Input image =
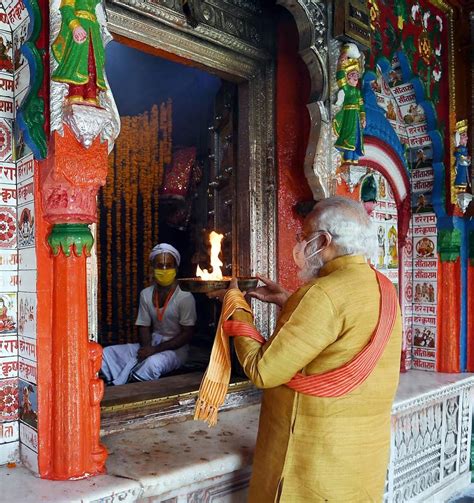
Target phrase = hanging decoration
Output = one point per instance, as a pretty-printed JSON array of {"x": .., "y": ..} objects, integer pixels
[{"x": 128, "y": 218}]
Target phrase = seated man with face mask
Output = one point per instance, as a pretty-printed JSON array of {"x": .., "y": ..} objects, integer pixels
[{"x": 166, "y": 319}]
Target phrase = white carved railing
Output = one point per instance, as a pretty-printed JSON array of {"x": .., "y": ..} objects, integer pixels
[{"x": 431, "y": 435}]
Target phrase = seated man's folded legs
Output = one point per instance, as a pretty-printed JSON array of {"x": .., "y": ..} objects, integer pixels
[
  {"x": 157, "y": 365},
  {"x": 118, "y": 361}
]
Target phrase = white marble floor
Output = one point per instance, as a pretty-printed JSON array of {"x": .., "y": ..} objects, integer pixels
[{"x": 148, "y": 463}]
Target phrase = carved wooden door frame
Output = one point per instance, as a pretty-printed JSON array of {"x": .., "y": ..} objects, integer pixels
[
  {"x": 231, "y": 38},
  {"x": 228, "y": 41}
]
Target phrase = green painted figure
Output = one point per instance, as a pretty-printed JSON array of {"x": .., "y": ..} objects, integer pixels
[
  {"x": 79, "y": 50},
  {"x": 349, "y": 122}
]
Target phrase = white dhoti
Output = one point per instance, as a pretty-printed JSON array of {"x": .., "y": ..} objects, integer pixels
[{"x": 120, "y": 361}]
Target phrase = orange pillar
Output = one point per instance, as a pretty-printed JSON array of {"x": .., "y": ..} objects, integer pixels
[
  {"x": 449, "y": 325},
  {"x": 449, "y": 301},
  {"x": 70, "y": 392},
  {"x": 73, "y": 443},
  {"x": 470, "y": 304}
]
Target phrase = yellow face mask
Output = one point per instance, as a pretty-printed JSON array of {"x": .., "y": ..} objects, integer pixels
[{"x": 164, "y": 277}]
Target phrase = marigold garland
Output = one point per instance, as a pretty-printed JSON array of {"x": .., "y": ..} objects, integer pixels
[{"x": 136, "y": 170}]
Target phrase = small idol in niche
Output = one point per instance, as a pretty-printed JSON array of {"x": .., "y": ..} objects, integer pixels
[
  {"x": 462, "y": 182},
  {"x": 349, "y": 122}
]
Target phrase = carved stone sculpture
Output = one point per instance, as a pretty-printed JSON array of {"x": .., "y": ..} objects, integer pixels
[{"x": 71, "y": 181}]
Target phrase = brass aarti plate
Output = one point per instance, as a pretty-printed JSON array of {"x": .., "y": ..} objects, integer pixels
[{"x": 198, "y": 285}]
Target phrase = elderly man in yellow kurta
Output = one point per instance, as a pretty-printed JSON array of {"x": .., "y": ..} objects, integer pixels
[{"x": 329, "y": 371}]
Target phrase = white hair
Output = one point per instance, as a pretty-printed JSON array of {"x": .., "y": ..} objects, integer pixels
[{"x": 349, "y": 225}]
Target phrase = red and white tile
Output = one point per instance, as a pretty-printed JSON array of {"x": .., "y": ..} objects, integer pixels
[
  {"x": 8, "y": 346},
  {"x": 27, "y": 314},
  {"x": 17, "y": 14},
  {"x": 29, "y": 436},
  {"x": 9, "y": 260},
  {"x": 27, "y": 258},
  {"x": 7, "y": 171},
  {"x": 8, "y": 226},
  {"x": 9, "y": 432},
  {"x": 8, "y": 281},
  {"x": 27, "y": 280},
  {"x": 9, "y": 406},
  {"x": 27, "y": 348},
  {"x": 25, "y": 168},
  {"x": 27, "y": 370},
  {"x": 26, "y": 191},
  {"x": 9, "y": 367},
  {"x": 26, "y": 217}
]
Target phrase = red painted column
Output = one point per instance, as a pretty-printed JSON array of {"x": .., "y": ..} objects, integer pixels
[
  {"x": 44, "y": 285},
  {"x": 292, "y": 130},
  {"x": 69, "y": 389},
  {"x": 449, "y": 302},
  {"x": 470, "y": 316},
  {"x": 72, "y": 442}
]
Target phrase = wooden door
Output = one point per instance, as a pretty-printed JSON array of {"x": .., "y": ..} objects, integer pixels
[{"x": 222, "y": 171}]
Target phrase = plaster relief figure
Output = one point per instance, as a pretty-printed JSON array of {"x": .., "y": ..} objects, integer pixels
[
  {"x": 349, "y": 122},
  {"x": 80, "y": 95},
  {"x": 462, "y": 182},
  {"x": 79, "y": 51}
]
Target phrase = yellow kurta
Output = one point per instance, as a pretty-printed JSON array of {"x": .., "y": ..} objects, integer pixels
[{"x": 313, "y": 449}]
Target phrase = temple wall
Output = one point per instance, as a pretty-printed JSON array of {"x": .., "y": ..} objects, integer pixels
[
  {"x": 292, "y": 129},
  {"x": 27, "y": 303},
  {"x": 407, "y": 97},
  {"x": 17, "y": 247},
  {"x": 407, "y": 85}
]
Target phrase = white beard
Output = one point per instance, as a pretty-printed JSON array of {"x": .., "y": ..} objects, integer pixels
[{"x": 311, "y": 269}]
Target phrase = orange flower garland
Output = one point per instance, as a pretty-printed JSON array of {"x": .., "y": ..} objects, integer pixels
[{"x": 136, "y": 170}]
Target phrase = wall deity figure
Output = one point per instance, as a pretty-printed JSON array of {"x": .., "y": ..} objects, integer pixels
[
  {"x": 349, "y": 122},
  {"x": 463, "y": 181},
  {"x": 79, "y": 51}
]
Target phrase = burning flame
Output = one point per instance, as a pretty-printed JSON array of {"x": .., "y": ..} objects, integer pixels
[{"x": 216, "y": 263}]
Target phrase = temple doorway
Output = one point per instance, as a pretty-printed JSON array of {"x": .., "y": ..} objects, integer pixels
[
  {"x": 173, "y": 179},
  {"x": 234, "y": 160}
]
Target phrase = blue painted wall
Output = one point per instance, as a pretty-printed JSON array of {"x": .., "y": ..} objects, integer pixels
[{"x": 140, "y": 80}]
